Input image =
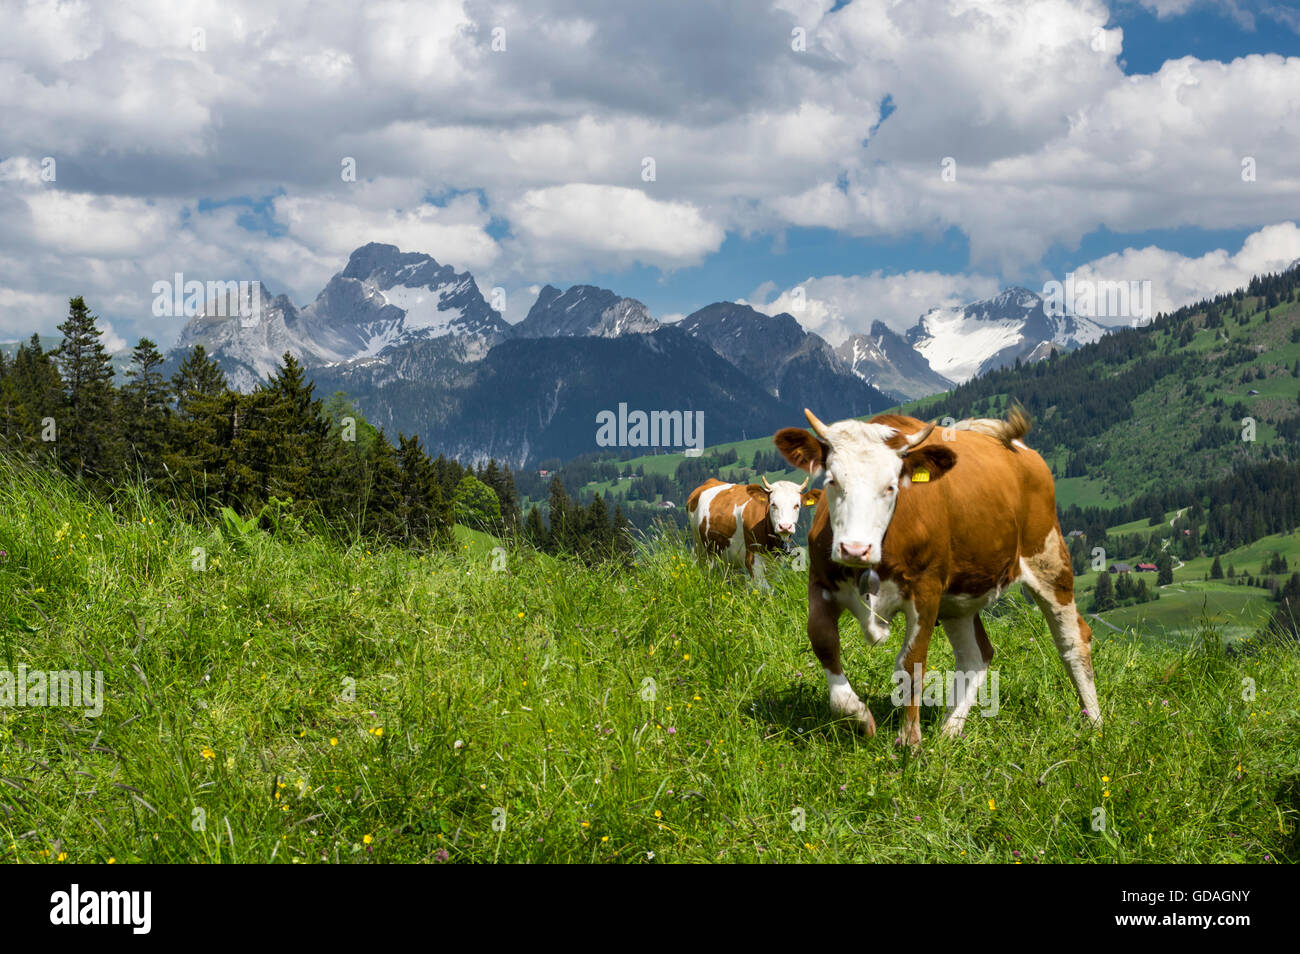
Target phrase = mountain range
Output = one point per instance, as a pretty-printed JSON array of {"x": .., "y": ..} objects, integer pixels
[{"x": 419, "y": 349}]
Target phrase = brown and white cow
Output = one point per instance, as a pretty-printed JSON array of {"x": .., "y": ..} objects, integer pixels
[
  {"x": 945, "y": 523},
  {"x": 740, "y": 522}
]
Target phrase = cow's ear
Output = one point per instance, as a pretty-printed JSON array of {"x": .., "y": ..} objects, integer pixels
[
  {"x": 813, "y": 498},
  {"x": 928, "y": 463},
  {"x": 801, "y": 449}
]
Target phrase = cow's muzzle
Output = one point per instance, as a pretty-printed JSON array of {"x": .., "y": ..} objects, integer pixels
[{"x": 852, "y": 553}]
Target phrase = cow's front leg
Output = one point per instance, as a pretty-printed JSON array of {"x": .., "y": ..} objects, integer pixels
[
  {"x": 754, "y": 562},
  {"x": 909, "y": 667},
  {"x": 824, "y": 634},
  {"x": 875, "y": 629}
]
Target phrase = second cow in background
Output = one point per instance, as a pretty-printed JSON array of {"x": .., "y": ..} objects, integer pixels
[{"x": 740, "y": 522}]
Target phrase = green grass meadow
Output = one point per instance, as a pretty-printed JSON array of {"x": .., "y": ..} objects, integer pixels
[{"x": 286, "y": 698}]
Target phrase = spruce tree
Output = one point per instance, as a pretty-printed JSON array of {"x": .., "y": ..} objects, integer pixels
[
  {"x": 31, "y": 401},
  {"x": 88, "y": 427},
  {"x": 425, "y": 518},
  {"x": 295, "y": 470},
  {"x": 379, "y": 505},
  {"x": 620, "y": 533},
  {"x": 1164, "y": 569},
  {"x": 534, "y": 530},
  {"x": 198, "y": 377},
  {"x": 599, "y": 538},
  {"x": 1103, "y": 595},
  {"x": 560, "y": 535},
  {"x": 146, "y": 411}
]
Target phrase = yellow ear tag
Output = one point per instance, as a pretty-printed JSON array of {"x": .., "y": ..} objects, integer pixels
[
  {"x": 920, "y": 476},
  {"x": 811, "y": 501}
]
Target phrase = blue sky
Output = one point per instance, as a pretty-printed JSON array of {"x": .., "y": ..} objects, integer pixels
[
  {"x": 799, "y": 149},
  {"x": 1207, "y": 31}
]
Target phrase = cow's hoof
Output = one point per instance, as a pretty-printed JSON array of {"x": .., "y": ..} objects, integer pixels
[
  {"x": 909, "y": 737},
  {"x": 862, "y": 722},
  {"x": 856, "y": 713},
  {"x": 875, "y": 639}
]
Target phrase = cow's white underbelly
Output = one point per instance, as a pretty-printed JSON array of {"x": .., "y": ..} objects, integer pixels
[
  {"x": 967, "y": 604},
  {"x": 886, "y": 601}
]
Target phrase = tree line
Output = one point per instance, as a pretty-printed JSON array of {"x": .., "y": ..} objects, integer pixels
[{"x": 191, "y": 438}]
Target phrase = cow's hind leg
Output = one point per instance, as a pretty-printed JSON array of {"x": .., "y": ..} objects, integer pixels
[
  {"x": 972, "y": 653},
  {"x": 824, "y": 634},
  {"x": 1050, "y": 580}
]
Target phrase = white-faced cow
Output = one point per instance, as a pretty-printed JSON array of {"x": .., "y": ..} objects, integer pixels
[
  {"x": 741, "y": 522},
  {"x": 943, "y": 523}
]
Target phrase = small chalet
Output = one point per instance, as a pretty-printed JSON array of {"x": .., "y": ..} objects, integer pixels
[
  {"x": 1119, "y": 568},
  {"x": 1146, "y": 568}
]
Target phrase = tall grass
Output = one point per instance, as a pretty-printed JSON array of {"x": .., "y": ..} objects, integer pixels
[{"x": 301, "y": 700}]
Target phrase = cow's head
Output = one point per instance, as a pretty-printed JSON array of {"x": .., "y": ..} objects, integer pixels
[
  {"x": 866, "y": 466},
  {"x": 784, "y": 498}
]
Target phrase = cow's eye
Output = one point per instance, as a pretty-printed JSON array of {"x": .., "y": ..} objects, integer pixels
[{"x": 830, "y": 478}]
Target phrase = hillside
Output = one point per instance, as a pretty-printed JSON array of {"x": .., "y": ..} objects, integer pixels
[
  {"x": 1160, "y": 406},
  {"x": 297, "y": 701}
]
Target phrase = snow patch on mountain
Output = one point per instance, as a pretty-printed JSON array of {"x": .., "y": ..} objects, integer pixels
[
  {"x": 383, "y": 300},
  {"x": 425, "y": 310},
  {"x": 956, "y": 345},
  {"x": 962, "y": 341}
]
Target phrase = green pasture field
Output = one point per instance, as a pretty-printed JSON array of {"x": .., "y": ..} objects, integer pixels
[{"x": 282, "y": 697}]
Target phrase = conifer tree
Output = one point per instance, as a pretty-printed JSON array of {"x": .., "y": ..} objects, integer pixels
[
  {"x": 620, "y": 533},
  {"x": 424, "y": 515},
  {"x": 1103, "y": 596},
  {"x": 380, "y": 499},
  {"x": 198, "y": 377},
  {"x": 295, "y": 415},
  {"x": 31, "y": 398},
  {"x": 599, "y": 540},
  {"x": 1164, "y": 569},
  {"x": 560, "y": 534},
  {"x": 88, "y": 431},
  {"x": 146, "y": 411},
  {"x": 534, "y": 530}
]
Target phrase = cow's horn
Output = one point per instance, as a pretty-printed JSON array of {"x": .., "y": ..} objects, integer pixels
[
  {"x": 766, "y": 485},
  {"x": 818, "y": 427},
  {"x": 804, "y": 485},
  {"x": 917, "y": 438}
]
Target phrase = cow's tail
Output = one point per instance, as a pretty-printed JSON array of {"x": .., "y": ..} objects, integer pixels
[{"x": 1014, "y": 428}]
